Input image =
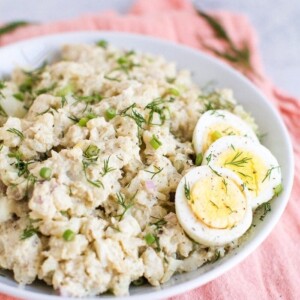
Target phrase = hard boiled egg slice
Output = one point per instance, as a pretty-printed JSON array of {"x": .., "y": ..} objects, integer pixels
[
  {"x": 212, "y": 206},
  {"x": 215, "y": 124},
  {"x": 252, "y": 162}
]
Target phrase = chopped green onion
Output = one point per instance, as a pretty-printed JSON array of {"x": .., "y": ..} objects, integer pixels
[
  {"x": 66, "y": 90},
  {"x": 216, "y": 135},
  {"x": 102, "y": 43},
  {"x": 46, "y": 173},
  {"x": 82, "y": 122},
  {"x": 173, "y": 92},
  {"x": 19, "y": 96},
  {"x": 149, "y": 238},
  {"x": 155, "y": 142},
  {"x": 199, "y": 159},
  {"x": 278, "y": 189},
  {"x": 91, "y": 151},
  {"x": 110, "y": 113},
  {"x": 91, "y": 115},
  {"x": 122, "y": 60},
  {"x": 69, "y": 235}
]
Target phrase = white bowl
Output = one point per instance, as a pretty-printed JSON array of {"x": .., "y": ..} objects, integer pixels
[{"x": 204, "y": 69}]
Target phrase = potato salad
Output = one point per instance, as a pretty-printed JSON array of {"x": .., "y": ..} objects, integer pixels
[{"x": 116, "y": 170}]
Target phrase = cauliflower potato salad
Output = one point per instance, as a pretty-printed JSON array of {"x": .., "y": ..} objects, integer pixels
[{"x": 117, "y": 170}]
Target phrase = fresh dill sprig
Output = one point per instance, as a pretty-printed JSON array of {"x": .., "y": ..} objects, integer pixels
[
  {"x": 208, "y": 158},
  {"x": 154, "y": 173},
  {"x": 159, "y": 223},
  {"x": 63, "y": 101},
  {"x": 91, "y": 155},
  {"x": 213, "y": 100},
  {"x": 125, "y": 63},
  {"x": 2, "y": 111},
  {"x": 266, "y": 209},
  {"x": 225, "y": 184},
  {"x": 269, "y": 172},
  {"x": 16, "y": 132},
  {"x": 112, "y": 78},
  {"x": 20, "y": 164},
  {"x": 244, "y": 175},
  {"x": 158, "y": 106},
  {"x": 125, "y": 204},
  {"x": 187, "y": 190},
  {"x": 215, "y": 172},
  {"x": 237, "y": 56},
  {"x": 106, "y": 168},
  {"x": 9, "y": 27},
  {"x": 132, "y": 113},
  {"x": 30, "y": 230},
  {"x": 47, "y": 89},
  {"x": 237, "y": 161},
  {"x": 2, "y": 86},
  {"x": 50, "y": 110},
  {"x": 94, "y": 98},
  {"x": 32, "y": 77}
]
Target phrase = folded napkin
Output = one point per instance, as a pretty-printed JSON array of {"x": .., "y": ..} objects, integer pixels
[{"x": 273, "y": 270}]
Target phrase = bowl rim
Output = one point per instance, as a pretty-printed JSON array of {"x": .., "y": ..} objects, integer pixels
[{"x": 260, "y": 236}]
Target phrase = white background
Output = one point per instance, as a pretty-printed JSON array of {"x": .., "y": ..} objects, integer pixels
[{"x": 276, "y": 21}]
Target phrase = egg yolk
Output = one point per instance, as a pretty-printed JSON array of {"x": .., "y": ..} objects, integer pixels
[
  {"x": 250, "y": 168},
  {"x": 218, "y": 202},
  {"x": 217, "y": 131}
]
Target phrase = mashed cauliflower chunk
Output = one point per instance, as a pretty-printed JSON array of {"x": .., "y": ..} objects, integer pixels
[{"x": 88, "y": 175}]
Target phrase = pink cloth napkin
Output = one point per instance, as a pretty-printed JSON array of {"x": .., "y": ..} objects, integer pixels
[{"x": 273, "y": 270}]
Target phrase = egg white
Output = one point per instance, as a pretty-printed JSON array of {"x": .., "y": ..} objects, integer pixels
[
  {"x": 196, "y": 229},
  {"x": 237, "y": 143},
  {"x": 213, "y": 118}
]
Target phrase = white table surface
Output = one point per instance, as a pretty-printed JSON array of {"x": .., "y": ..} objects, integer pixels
[{"x": 276, "y": 21}]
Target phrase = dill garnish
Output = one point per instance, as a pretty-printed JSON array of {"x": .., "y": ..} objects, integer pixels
[
  {"x": 154, "y": 173},
  {"x": 32, "y": 77},
  {"x": 208, "y": 158},
  {"x": 20, "y": 164},
  {"x": 132, "y": 113},
  {"x": 125, "y": 204},
  {"x": 214, "y": 100},
  {"x": 91, "y": 155},
  {"x": 214, "y": 171},
  {"x": 63, "y": 101},
  {"x": 94, "y": 98},
  {"x": 106, "y": 168},
  {"x": 9, "y": 27},
  {"x": 2, "y": 111},
  {"x": 269, "y": 172},
  {"x": 30, "y": 230},
  {"x": 102, "y": 43},
  {"x": 2, "y": 86},
  {"x": 16, "y": 132},
  {"x": 158, "y": 106},
  {"x": 225, "y": 184},
  {"x": 112, "y": 78},
  {"x": 47, "y": 89},
  {"x": 237, "y": 161},
  {"x": 187, "y": 190},
  {"x": 238, "y": 56},
  {"x": 125, "y": 63},
  {"x": 266, "y": 209},
  {"x": 159, "y": 223}
]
